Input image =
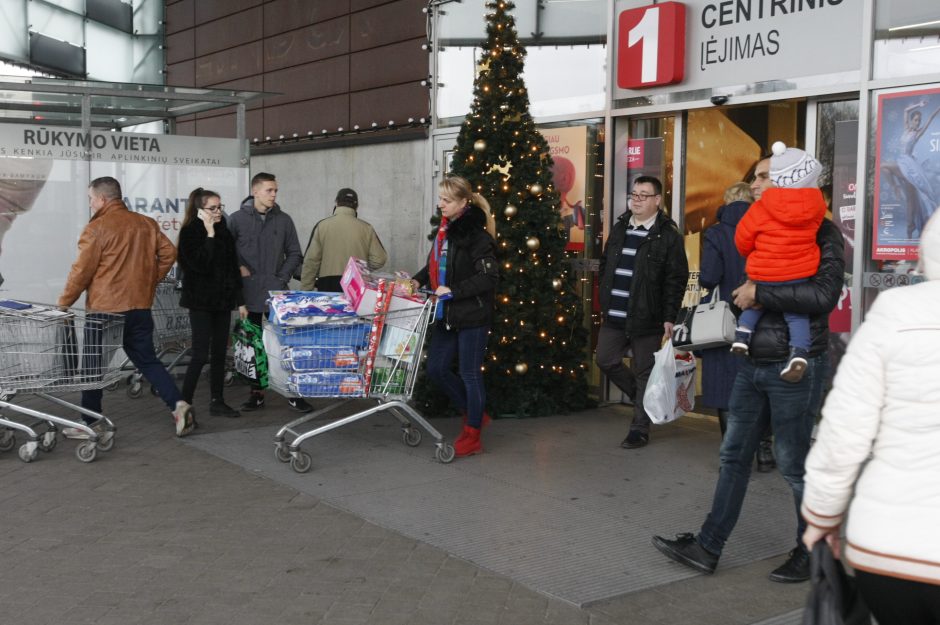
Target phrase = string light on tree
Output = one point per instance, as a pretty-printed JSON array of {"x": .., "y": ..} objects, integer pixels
[{"x": 504, "y": 156}]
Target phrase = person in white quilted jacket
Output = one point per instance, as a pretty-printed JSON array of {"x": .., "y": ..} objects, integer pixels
[{"x": 884, "y": 408}]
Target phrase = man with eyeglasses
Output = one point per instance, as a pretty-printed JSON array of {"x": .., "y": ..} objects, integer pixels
[{"x": 643, "y": 271}]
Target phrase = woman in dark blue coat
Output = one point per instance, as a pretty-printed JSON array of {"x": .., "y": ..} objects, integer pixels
[{"x": 723, "y": 267}]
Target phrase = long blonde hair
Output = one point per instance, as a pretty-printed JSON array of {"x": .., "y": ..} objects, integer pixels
[{"x": 459, "y": 188}]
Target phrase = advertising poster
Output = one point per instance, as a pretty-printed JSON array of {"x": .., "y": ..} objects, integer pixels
[
  {"x": 644, "y": 157},
  {"x": 44, "y": 176},
  {"x": 843, "y": 212},
  {"x": 568, "y": 147},
  {"x": 907, "y": 171}
]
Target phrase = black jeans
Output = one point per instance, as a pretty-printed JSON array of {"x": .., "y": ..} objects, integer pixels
[
  {"x": 210, "y": 339},
  {"x": 895, "y": 601}
]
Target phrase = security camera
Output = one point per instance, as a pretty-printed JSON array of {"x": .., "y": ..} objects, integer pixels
[{"x": 718, "y": 100}]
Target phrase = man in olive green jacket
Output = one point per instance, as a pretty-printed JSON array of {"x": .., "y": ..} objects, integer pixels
[{"x": 334, "y": 240}]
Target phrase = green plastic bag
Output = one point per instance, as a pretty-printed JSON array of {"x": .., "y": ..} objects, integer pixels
[{"x": 251, "y": 361}]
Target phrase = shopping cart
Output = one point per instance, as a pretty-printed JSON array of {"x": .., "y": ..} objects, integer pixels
[
  {"x": 45, "y": 350},
  {"x": 368, "y": 357}
]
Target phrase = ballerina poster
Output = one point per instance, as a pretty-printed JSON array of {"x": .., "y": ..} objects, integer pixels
[{"x": 907, "y": 173}]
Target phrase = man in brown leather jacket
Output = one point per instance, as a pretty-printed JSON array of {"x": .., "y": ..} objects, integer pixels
[{"x": 121, "y": 258}]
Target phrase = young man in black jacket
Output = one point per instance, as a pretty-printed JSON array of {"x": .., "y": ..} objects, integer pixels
[
  {"x": 793, "y": 406},
  {"x": 644, "y": 271}
]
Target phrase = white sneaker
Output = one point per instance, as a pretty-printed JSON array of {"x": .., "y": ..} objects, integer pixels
[{"x": 183, "y": 417}]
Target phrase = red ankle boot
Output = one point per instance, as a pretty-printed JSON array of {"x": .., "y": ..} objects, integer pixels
[
  {"x": 486, "y": 418},
  {"x": 468, "y": 443}
]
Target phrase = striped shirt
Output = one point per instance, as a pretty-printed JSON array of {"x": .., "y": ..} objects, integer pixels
[{"x": 623, "y": 274}]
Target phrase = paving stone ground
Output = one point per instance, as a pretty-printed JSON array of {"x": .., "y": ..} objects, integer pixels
[{"x": 159, "y": 532}]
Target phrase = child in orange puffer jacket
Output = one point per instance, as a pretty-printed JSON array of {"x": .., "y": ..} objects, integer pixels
[{"x": 777, "y": 235}]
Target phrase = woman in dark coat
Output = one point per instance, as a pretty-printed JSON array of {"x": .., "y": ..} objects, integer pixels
[
  {"x": 212, "y": 287},
  {"x": 462, "y": 271},
  {"x": 722, "y": 267}
]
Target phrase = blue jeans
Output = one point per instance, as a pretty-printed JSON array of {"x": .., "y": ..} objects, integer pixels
[
  {"x": 758, "y": 392},
  {"x": 138, "y": 345},
  {"x": 465, "y": 391},
  {"x": 797, "y": 323}
]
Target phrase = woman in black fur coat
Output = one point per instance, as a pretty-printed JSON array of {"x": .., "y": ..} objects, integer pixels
[
  {"x": 462, "y": 271},
  {"x": 212, "y": 287}
]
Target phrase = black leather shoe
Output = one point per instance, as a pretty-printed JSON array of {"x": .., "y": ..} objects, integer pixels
[
  {"x": 795, "y": 569},
  {"x": 635, "y": 440},
  {"x": 218, "y": 408},
  {"x": 686, "y": 550},
  {"x": 765, "y": 457}
]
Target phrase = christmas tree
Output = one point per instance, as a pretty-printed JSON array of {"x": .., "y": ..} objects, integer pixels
[{"x": 536, "y": 359}]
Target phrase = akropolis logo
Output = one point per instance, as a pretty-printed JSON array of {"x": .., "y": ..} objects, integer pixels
[{"x": 651, "y": 46}]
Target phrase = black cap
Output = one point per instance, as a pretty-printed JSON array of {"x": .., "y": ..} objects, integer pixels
[{"x": 347, "y": 197}]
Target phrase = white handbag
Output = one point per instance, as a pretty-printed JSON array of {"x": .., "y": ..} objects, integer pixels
[{"x": 707, "y": 325}]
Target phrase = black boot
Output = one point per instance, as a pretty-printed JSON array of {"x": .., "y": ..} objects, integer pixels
[
  {"x": 795, "y": 569},
  {"x": 765, "y": 456}
]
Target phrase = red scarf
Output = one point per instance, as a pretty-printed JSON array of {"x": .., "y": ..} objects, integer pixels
[{"x": 434, "y": 264}]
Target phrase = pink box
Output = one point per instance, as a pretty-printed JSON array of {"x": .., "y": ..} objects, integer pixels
[{"x": 361, "y": 289}]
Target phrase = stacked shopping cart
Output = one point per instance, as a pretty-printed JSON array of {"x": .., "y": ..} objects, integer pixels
[{"x": 44, "y": 352}]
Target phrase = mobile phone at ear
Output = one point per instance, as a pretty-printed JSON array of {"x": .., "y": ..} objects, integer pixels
[{"x": 201, "y": 214}]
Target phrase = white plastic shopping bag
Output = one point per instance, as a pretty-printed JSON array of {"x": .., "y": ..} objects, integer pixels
[{"x": 670, "y": 392}]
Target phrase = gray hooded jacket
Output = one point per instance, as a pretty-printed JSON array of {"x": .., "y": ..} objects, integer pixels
[{"x": 268, "y": 246}]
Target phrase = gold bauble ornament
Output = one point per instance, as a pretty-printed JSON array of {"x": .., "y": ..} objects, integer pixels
[
  {"x": 533, "y": 243},
  {"x": 535, "y": 189},
  {"x": 479, "y": 145},
  {"x": 521, "y": 368},
  {"x": 556, "y": 284},
  {"x": 510, "y": 210}
]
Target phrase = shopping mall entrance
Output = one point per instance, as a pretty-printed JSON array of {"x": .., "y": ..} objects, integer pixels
[{"x": 699, "y": 153}]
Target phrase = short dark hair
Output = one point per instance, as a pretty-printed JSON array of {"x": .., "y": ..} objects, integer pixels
[
  {"x": 750, "y": 174},
  {"x": 260, "y": 177},
  {"x": 653, "y": 180},
  {"x": 106, "y": 187}
]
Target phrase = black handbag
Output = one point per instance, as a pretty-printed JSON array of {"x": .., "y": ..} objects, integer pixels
[{"x": 833, "y": 595}]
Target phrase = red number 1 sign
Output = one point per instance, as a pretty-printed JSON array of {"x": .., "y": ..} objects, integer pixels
[{"x": 651, "y": 46}]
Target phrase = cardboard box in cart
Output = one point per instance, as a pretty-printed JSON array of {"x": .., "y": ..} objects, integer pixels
[{"x": 361, "y": 289}]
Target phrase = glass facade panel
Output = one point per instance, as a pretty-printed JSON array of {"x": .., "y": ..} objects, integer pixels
[
  {"x": 111, "y": 58},
  {"x": 561, "y": 80},
  {"x": 147, "y": 17},
  {"x": 111, "y": 54},
  {"x": 907, "y": 38},
  {"x": 55, "y": 23},
  {"x": 148, "y": 60},
  {"x": 13, "y": 41}
]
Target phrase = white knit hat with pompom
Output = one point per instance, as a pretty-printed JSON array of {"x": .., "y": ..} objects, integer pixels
[{"x": 793, "y": 168}]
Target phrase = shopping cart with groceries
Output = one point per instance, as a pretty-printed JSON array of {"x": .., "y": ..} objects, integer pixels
[
  {"x": 46, "y": 351},
  {"x": 347, "y": 356}
]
